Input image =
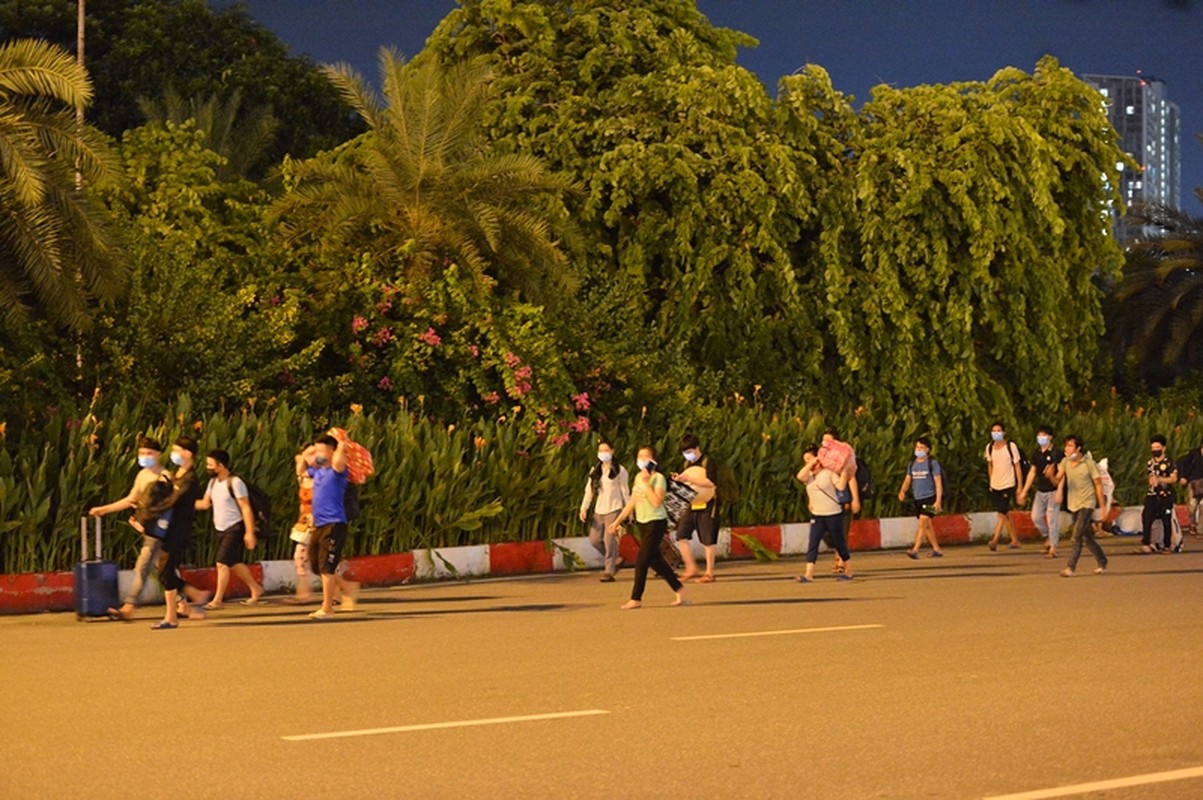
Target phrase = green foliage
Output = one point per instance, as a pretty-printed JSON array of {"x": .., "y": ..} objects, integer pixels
[
  {"x": 56, "y": 249},
  {"x": 209, "y": 306},
  {"x": 140, "y": 49}
]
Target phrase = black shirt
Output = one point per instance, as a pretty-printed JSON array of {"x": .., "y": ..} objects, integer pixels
[
  {"x": 1162, "y": 469},
  {"x": 1046, "y": 458}
]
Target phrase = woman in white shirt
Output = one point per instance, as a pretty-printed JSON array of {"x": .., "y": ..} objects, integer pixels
[
  {"x": 826, "y": 512},
  {"x": 606, "y": 490}
]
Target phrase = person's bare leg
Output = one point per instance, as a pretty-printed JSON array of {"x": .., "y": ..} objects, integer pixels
[
  {"x": 691, "y": 566},
  {"x": 223, "y": 583},
  {"x": 243, "y": 573},
  {"x": 710, "y": 559}
]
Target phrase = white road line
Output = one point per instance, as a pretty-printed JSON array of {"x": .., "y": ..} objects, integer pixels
[
  {"x": 1102, "y": 786},
  {"x": 773, "y": 633},
  {"x": 434, "y": 726}
]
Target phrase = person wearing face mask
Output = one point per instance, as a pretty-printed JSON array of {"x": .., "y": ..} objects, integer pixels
[
  {"x": 149, "y": 454},
  {"x": 925, "y": 479},
  {"x": 1079, "y": 481},
  {"x": 1006, "y": 476},
  {"x": 1159, "y": 499},
  {"x": 646, "y": 502},
  {"x": 177, "y": 536},
  {"x": 606, "y": 490},
  {"x": 329, "y": 473},
  {"x": 700, "y": 474},
  {"x": 826, "y": 512},
  {"x": 1046, "y": 511}
]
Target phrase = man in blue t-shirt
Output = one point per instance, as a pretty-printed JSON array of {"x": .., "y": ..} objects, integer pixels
[
  {"x": 925, "y": 479},
  {"x": 329, "y": 475}
]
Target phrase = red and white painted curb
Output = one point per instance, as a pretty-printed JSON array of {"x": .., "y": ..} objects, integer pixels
[{"x": 22, "y": 594}]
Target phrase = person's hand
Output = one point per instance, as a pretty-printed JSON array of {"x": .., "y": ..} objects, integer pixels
[
  {"x": 1021, "y": 498},
  {"x": 939, "y": 506},
  {"x": 901, "y": 496},
  {"x": 855, "y": 506},
  {"x": 95, "y": 511},
  {"x": 676, "y": 476},
  {"x": 136, "y": 525},
  {"x": 249, "y": 540},
  {"x": 612, "y": 527},
  {"x": 582, "y": 515}
]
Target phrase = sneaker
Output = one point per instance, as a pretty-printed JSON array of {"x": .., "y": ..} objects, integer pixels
[
  {"x": 606, "y": 578},
  {"x": 1099, "y": 570},
  {"x": 936, "y": 554},
  {"x": 321, "y": 615},
  {"x": 1067, "y": 573},
  {"x": 911, "y": 554}
]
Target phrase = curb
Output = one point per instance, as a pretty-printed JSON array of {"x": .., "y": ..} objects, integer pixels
[{"x": 55, "y": 591}]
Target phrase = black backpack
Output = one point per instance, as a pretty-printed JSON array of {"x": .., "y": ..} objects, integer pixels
[
  {"x": 1024, "y": 464},
  {"x": 864, "y": 479},
  {"x": 261, "y": 506}
]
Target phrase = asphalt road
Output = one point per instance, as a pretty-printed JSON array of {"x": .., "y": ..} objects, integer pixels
[{"x": 977, "y": 675}]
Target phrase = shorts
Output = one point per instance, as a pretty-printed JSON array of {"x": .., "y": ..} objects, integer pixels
[
  {"x": 230, "y": 546},
  {"x": 703, "y": 522},
  {"x": 923, "y": 507},
  {"x": 327, "y": 548},
  {"x": 1001, "y": 499}
]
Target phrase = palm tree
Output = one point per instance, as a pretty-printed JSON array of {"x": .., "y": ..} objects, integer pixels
[
  {"x": 55, "y": 247},
  {"x": 1160, "y": 323},
  {"x": 421, "y": 186},
  {"x": 241, "y": 136}
]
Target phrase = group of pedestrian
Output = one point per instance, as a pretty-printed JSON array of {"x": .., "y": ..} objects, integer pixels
[{"x": 164, "y": 503}]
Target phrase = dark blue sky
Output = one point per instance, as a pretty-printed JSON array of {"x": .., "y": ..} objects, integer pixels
[{"x": 861, "y": 43}]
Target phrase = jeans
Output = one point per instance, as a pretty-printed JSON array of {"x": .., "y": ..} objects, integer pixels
[
  {"x": 1084, "y": 534},
  {"x": 832, "y": 526},
  {"x": 1046, "y": 513},
  {"x": 605, "y": 542},
  {"x": 147, "y": 557}
]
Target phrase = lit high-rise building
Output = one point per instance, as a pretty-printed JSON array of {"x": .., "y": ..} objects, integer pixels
[{"x": 1147, "y": 123}]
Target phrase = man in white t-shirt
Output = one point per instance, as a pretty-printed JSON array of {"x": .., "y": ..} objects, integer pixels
[
  {"x": 234, "y": 521},
  {"x": 1006, "y": 479}
]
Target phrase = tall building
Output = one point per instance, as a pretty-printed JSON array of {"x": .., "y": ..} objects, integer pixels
[{"x": 1147, "y": 123}]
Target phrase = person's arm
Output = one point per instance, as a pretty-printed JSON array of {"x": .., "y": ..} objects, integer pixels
[
  {"x": 655, "y": 494},
  {"x": 841, "y": 480},
  {"x": 129, "y": 501},
  {"x": 1059, "y": 496},
  {"x": 939, "y": 479},
  {"x": 1015, "y": 464},
  {"x": 250, "y": 535},
  {"x": 624, "y": 485},
  {"x": 807, "y": 473},
  {"x": 906, "y": 484},
  {"x": 853, "y": 484},
  {"x": 206, "y": 502},
  {"x": 1098, "y": 491},
  {"x": 178, "y": 489},
  {"x": 338, "y": 461},
  {"x": 587, "y": 498},
  {"x": 1027, "y": 484}
]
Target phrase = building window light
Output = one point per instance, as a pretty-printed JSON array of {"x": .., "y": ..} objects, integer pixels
[{"x": 1131, "y": 109}]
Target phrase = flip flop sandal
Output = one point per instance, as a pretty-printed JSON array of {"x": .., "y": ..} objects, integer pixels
[
  {"x": 704, "y": 579},
  {"x": 164, "y": 625},
  {"x": 211, "y": 606}
]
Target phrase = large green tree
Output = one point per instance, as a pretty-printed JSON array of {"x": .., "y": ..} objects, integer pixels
[
  {"x": 139, "y": 50},
  {"x": 693, "y": 199},
  {"x": 56, "y": 249}
]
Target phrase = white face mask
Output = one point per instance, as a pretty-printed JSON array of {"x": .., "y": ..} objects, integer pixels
[
  {"x": 605, "y": 457},
  {"x": 690, "y": 455},
  {"x": 643, "y": 463}
]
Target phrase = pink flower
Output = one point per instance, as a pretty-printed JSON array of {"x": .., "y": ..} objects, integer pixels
[
  {"x": 581, "y": 425},
  {"x": 541, "y": 427},
  {"x": 384, "y": 306},
  {"x": 561, "y": 440},
  {"x": 581, "y": 401},
  {"x": 523, "y": 372},
  {"x": 511, "y": 360},
  {"x": 382, "y": 337},
  {"x": 431, "y": 337},
  {"x": 384, "y": 384},
  {"x": 358, "y": 325},
  {"x": 474, "y": 350},
  {"x": 492, "y": 398}
]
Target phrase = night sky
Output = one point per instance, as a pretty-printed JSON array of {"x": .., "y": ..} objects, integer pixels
[{"x": 861, "y": 43}]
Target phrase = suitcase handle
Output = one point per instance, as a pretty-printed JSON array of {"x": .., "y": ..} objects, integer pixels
[{"x": 83, "y": 537}]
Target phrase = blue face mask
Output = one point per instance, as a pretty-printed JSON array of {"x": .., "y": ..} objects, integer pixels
[
  {"x": 997, "y": 435},
  {"x": 321, "y": 461},
  {"x": 1042, "y": 441},
  {"x": 146, "y": 462},
  {"x": 920, "y": 454},
  {"x": 177, "y": 459}
]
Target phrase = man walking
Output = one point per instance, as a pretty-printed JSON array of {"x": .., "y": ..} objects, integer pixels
[
  {"x": 1006, "y": 476},
  {"x": 329, "y": 474},
  {"x": 177, "y": 534},
  {"x": 1046, "y": 511},
  {"x": 149, "y": 454},
  {"x": 234, "y": 521},
  {"x": 925, "y": 479},
  {"x": 1079, "y": 478},
  {"x": 1159, "y": 499},
  {"x": 701, "y": 474}
]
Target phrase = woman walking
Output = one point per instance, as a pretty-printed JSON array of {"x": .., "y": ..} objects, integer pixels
[
  {"x": 1079, "y": 481},
  {"x": 651, "y": 518},
  {"x": 606, "y": 491},
  {"x": 826, "y": 512}
]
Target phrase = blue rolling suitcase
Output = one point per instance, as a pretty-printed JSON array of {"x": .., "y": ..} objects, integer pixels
[{"x": 95, "y": 579}]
